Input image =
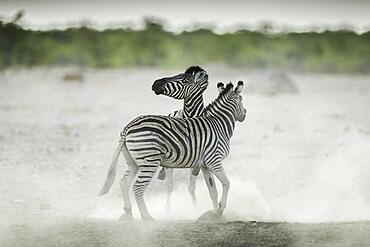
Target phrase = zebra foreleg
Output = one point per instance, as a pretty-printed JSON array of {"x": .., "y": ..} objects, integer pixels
[
  {"x": 169, "y": 185},
  {"x": 213, "y": 215},
  {"x": 192, "y": 185},
  {"x": 211, "y": 185},
  {"x": 221, "y": 175},
  {"x": 145, "y": 175}
]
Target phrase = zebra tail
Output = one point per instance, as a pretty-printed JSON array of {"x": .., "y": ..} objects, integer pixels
[{"x": 111, "y": 174}]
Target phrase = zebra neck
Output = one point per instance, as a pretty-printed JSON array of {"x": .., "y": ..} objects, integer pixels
[
  {"x": 226, "y": 124},
  {"x": 194, "y": 106},
  {"x": 224, "y": 119}
]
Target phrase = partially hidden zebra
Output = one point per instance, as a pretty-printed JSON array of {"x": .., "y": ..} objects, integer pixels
[
  {"x": 188, "y": 86},
  {"x": 151, "y": 141}
]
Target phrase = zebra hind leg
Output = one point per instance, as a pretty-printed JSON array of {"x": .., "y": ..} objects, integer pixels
[
  {"x": 145, "y": 175},
  {"x": 125, "y": 184}
]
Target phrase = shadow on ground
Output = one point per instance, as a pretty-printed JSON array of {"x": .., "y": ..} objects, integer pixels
[{"x": 94, "y": 232}]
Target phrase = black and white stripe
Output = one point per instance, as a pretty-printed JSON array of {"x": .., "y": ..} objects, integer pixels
[
  {"x": 152, "y": 141},
  {"x": 188, "y": 86}
]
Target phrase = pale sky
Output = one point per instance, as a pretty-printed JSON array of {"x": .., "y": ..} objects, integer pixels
[{"x": 179, "y": 15}]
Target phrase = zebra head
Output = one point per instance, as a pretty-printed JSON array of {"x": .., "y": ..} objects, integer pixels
[
  {"x": 236, "y": 99},
  {"x": 184, "y": 85}
]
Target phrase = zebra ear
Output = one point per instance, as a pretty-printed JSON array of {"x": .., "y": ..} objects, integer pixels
[
  {"x": 199, "y": 75},
  {"x": 239, "y": 87},
  {"x": 220, "y": 87}
]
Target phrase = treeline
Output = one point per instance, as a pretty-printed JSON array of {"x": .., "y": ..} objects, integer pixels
[{"x": 330, "y": 51}]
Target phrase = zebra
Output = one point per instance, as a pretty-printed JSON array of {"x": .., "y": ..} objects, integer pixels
[
  {"x": 188, "y": 86},
  {"x": 150, "y": 141}
]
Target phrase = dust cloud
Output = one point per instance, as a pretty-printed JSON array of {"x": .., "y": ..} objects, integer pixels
[{"x": 299, "y": 157}]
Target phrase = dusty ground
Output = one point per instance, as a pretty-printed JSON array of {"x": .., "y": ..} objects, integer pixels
[
  {"x": 301, "y": 157},
  {"x": 182, "y": 233}
]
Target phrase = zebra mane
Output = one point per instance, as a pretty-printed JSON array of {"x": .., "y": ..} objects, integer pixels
[
  {"x": 226, "y": 92},
  {"x": 193, "y": 69}
]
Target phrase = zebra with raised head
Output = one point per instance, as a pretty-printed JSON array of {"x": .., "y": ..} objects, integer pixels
[
  {"x": 151, "y": 141},
  {"x": 190, "y": 87}
]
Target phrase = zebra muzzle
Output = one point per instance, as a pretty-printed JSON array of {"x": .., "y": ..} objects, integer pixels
[{"x": 158, "y": 86}]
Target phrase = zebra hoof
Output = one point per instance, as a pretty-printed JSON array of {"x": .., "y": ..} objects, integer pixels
[
  {"x": 126, "y": 217},
  {"x": 211, "y": 215}
]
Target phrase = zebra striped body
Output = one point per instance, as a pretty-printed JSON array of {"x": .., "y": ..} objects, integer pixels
[
  {"x": 178, "y": 143},
  {"x": 152, "y": 141}
]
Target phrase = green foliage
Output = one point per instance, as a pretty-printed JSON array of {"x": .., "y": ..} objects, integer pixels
[{"x": 339, "y": 51}]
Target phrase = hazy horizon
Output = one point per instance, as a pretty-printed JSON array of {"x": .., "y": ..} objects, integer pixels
[{"x": 221, "y": 15}]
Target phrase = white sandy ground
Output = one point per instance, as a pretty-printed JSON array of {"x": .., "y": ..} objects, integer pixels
[{"x": 301, "y": 157}]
